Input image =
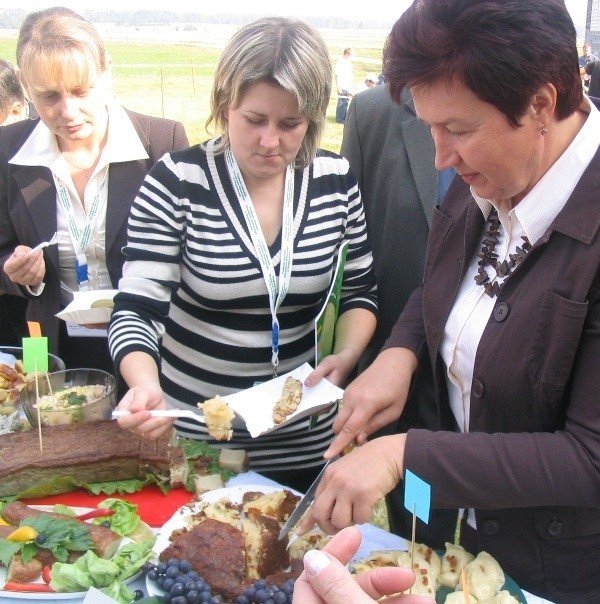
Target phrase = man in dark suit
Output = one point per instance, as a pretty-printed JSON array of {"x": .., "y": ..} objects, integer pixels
[{"x": 392, "y": 155}]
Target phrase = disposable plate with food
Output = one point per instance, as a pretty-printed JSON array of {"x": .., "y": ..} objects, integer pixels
[
  {"x": 254, "y": 406},
  {"x": 180, "y": 518},
  {"x": 46, "y": 596}
]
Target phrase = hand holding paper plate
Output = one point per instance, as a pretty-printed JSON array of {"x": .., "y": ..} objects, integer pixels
[
  {"x": 89, "y": 307},
  {"x": 255, "y": 405}
]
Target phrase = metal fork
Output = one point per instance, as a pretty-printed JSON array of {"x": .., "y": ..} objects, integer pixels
[
  {"x": 41, "y": 246},
  {"x": 165, "y": 413}
]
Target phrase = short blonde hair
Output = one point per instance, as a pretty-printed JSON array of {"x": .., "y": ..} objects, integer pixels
[
  {"x": 59, "y": 45},
  {"x": 285, "y": 52}
]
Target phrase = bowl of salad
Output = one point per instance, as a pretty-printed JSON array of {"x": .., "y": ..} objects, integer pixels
[{"x": 70, "y": 396}]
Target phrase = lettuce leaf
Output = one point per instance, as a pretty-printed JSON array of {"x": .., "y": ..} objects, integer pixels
[
  {"x": 125, "y": 519},
  {"x": 91, "y": 571}
]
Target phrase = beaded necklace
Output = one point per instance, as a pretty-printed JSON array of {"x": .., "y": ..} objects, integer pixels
[{"x": 488, "y": 257}]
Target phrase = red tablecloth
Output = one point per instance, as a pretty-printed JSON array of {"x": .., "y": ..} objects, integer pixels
[{"x": 154, "y": 507}]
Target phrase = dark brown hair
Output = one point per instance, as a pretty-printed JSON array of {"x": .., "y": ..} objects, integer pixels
[
  {"x": 501, "y": 50},
  {"x": 10, "y": 88}
]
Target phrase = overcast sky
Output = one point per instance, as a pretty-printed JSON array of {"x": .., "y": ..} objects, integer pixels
[{"x": 345, "y": 8}]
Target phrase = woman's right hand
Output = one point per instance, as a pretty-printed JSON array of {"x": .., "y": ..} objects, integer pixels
[
  {"x": 374, "y": 399},
  {"x": 24, "y": 268},
  {"x": 140, "y": 372},
  {"x": 138, "y": 401},
  {"x": 326, "y": 579}
]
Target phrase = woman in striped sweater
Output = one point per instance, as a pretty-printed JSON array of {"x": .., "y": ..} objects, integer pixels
[{"x": 236, "y": 240}]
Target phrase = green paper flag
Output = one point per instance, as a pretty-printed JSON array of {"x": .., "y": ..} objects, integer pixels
[{"x": 35, "y": 355}]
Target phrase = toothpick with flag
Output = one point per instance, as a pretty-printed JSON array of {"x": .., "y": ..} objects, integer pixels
[
  {"x": 35, "y": 359},
  {"x": 417, "y": 500}
]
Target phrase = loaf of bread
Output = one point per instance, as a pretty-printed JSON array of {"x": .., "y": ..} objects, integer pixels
[{"x": 88, "y": 452}]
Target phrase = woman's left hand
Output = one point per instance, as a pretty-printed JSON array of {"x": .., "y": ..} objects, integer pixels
[
  {"x": 326, "y": 580},
  {"x": 355, "y": 483},
  {"x": 336, "y": 368}
]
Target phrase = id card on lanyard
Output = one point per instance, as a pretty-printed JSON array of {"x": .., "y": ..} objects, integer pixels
[
  {"x": 79, "y": 239},
  {"x": 277, "y": 290}
]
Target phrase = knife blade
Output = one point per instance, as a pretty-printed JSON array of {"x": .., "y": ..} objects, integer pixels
[{"x": 304, "y": 503}]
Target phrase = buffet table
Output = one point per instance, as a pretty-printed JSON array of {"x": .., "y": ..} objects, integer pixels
[{"x": 155, "y": 509}]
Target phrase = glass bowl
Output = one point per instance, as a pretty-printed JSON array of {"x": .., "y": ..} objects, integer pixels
[
  {"x": 12, "y": 378},
  {"x": 71, "y": 396}
]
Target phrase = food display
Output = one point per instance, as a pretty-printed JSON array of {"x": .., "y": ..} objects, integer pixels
[
  {"x": 67, "y": 403},
  {"x": 289, "y": 400},
  {"x": 61, "y": 551},
  {"x": 230, "y": 539},
  {"x": 86, "y": 452},
  {"x": 12, "y": 380},
  {"x": 65, "y": 397},
  {"x": 440, "y": 575}
]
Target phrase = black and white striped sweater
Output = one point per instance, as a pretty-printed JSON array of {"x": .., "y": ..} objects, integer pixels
[{"x": 193, "y": 294}]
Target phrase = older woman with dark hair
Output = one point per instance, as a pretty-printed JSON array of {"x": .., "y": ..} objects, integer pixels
[{"x": 509, "y": 310}]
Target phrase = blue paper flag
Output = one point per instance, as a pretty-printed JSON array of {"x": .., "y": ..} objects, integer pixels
[{"x": 417, "y": 496}]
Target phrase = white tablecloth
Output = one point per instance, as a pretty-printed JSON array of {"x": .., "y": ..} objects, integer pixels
[{"x": 374, "y": 538}]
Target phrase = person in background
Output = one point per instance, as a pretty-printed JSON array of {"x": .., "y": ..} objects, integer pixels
[
  {"x": 392, "y": 155},
  {"x": 74, "y": 171},
  {"x": 198, "y": 313},
  {"x": 344, "y": 81},
  {"x": 327, "y": 580},
  {"x": 584, "y": 60},
  {"x": 592, "y": 70},
  {"x": 14, "y": 107},
  {"x": 509, "y": 309},
  {"x": 371, "y": 80}
]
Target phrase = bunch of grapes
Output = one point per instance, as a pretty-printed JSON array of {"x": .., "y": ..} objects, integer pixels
[
  {"x": 262, "y": 593},
  {"x": 182, "y": 585}
]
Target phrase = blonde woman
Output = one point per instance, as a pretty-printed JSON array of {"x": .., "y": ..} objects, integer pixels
[
  {"x": 246, "y": 230},
  {"x": 75, "y": 170}
]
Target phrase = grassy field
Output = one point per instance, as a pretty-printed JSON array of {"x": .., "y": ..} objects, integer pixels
[{"x": 174, "y": 79}]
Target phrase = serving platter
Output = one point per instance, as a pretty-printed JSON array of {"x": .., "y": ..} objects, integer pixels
[
  {"x": 180, "y": 518},
  {"x": 47, "y": 596}
]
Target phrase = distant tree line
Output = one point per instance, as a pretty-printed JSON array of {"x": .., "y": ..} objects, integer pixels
[{"x": 12, "y": 19}]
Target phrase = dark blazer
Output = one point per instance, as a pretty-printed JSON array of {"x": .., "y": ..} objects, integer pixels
[
  {"x": 28, "y": 208},
  {"x": 530, "y": 465},
  {"x": 392, "y": 155}
]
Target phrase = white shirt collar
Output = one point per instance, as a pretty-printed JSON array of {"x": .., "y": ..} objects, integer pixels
[
  {"x": 122, "y": 143},
  {"x": 536, "y": 211}
]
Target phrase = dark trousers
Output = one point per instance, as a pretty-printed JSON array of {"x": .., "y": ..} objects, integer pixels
[
  {"x": 342, "y": 107},
  {"x": 13, "y": 327}
]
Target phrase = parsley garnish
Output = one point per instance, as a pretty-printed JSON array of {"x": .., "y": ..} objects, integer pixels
[
  {"x": 61, "y": 537},
  {"x": 76, "y": 399}
]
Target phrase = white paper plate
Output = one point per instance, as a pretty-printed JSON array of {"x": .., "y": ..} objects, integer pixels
[
  {"x": 80, "y": 311},
  {"x": 75, "y": 595},
  {"x": 255, "y": 405}
]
